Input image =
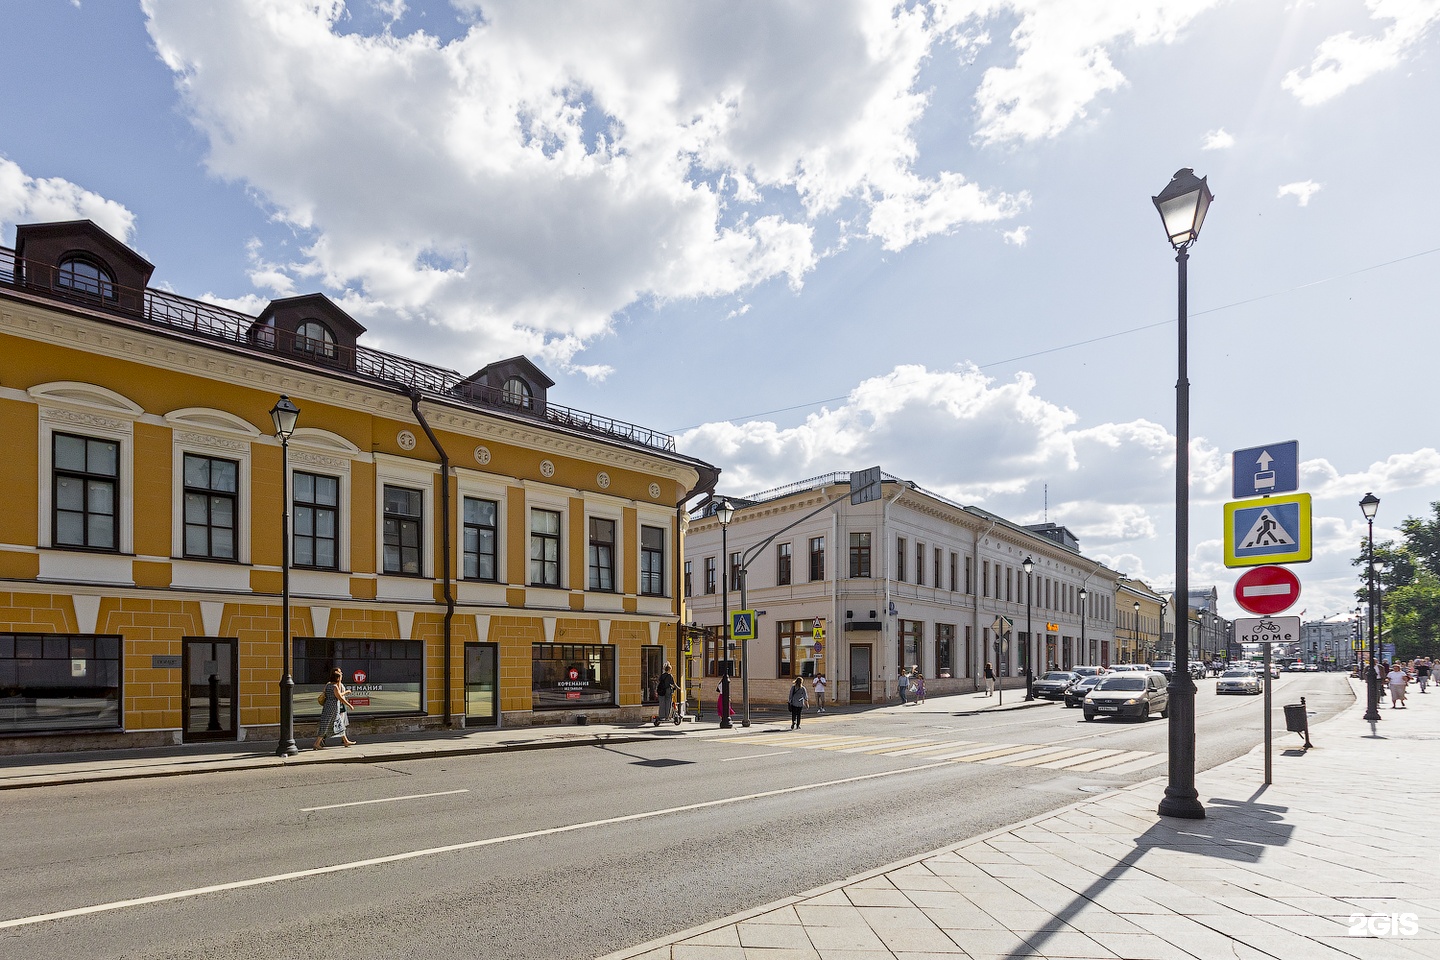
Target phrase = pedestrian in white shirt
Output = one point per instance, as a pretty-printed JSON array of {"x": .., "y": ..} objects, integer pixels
[
  {"x": 819, "y": 693},
  {"x": 1397, "y": 678}
]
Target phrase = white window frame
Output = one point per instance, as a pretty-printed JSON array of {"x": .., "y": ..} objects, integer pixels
[
  {"x": 418, "y": 475},
  {"x": 317, "y": 451},
  {"x": 86, "y": 410},
  {"x": 538, "y": 498},
  {"x": 205, "y": 432},
  {"x": 480, "y": 487}
]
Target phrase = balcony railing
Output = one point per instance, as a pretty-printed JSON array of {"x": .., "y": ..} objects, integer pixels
[{"x": 210, "y": 322}]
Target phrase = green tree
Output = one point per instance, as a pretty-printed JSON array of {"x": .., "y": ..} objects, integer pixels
[
  {"x": 1408, "y": 574},
  {"x": 1411, "y": 614}
]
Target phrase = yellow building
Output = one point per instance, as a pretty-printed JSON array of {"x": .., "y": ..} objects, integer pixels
[
  {"x": 1140, "y": 626},
  {"x": 464, "y": 549}
]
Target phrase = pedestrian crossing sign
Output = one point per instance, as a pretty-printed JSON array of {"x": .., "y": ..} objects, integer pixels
[
  {"x": 742, "y": 625},
  {"x": 1268, "y": 530}
]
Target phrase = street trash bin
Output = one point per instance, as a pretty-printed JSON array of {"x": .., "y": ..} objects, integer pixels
[{"x": 1298, "y": 721}]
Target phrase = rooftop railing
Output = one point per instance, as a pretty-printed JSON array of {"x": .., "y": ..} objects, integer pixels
[{"x": 208, "y": 321}]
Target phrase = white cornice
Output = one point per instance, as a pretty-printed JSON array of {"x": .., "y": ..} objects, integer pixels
[{"x": 116, "y": 337}]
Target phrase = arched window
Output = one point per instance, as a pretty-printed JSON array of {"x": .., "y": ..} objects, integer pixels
[
  {"x": 84, "y": 275},
  {"x": 314, "y": 337},
  {"x": 517, "y": 392}
]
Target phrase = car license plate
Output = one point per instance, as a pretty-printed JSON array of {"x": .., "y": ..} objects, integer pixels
[{"x": 1110, "y": 708}]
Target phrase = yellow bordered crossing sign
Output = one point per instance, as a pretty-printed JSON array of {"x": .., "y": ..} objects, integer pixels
[
  {"x": 742, "y": 625},
  {"x": 1268, "y": 530}
]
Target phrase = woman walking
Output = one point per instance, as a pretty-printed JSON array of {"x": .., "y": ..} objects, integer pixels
[
  {"x": 918, "y": 685},
  {"x": 1397, "y": 678},
  {"x": 989, "y": 680},
  {"x": 332, "y": 722},
  {"x": 797, "y": 701}
]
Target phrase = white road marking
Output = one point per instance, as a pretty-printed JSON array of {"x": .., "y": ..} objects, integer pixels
[
  {"x": 361, "y": 803},
  {"x": 450, "y": 848},
  {"x": 754, "y": 756}
]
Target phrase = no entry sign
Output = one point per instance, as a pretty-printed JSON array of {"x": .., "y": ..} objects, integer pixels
[{"x": 1267, "y": 590}]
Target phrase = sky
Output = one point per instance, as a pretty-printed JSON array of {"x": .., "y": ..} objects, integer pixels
[{"x": 807, "y": 237}]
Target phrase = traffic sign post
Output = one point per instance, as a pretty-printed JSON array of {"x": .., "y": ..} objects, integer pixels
[
  {"x": 1268, "y": 631},
  {"x": 1270, "y": 530},
  {"x": 1267, "y": 590},
  {"x": 1264, "y": 471},
  {"x": 742, "y": 624}
]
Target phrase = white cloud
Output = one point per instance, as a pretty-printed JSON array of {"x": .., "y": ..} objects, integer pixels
[
  {"x": 1218, "y": 140},
  {"x": 1018, "y": 236},
  {"x": 557, "y": 162},
  {"x": 1063, "y": 57},
  {"x": 1301, "y": 190},
  {"x": 1345, "y": 60},
  {"x": 999, "y": 445},
  {"x": 26, "y": 199}
]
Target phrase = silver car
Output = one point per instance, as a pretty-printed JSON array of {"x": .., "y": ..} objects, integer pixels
[{"x": 1238, "y": 681}]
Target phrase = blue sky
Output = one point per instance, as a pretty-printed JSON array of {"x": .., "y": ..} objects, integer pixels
[{"x": 810, "y": 237}]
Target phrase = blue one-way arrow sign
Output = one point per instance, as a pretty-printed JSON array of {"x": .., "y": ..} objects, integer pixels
[{"x": 1263, "y": 471}]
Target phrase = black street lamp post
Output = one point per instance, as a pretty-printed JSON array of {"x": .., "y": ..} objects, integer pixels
[
  {"x": 1029, "y": 565},
  {"x": 1084, "y": 615},
  {"x": 1182, "y": 206},
  {"x": 285, "y": 414},
  {"x": 1139, "y": 640},
  {"x": 1369, "y": 506},
  {"x": 725, "y": 513}
]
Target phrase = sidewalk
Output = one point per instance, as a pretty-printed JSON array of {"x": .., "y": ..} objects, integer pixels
[
  {"x": 1336, "y": 859},
  {"x": 48, "y": 769}
]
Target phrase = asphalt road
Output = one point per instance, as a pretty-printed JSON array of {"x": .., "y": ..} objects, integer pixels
[{"x": 555, "y": 854}]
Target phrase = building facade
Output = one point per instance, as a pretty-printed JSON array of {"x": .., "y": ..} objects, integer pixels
[
  {"x": 910, "y": 579},
  {"x": 466, "y": 550},
  {"x": 1140, "y": 624}
]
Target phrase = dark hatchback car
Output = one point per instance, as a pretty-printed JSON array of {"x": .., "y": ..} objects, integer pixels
[
  {"x": 1075, "y": 696},
  {"x": 1135, "y": 694},
  {"x": 1052, "y": 686}
]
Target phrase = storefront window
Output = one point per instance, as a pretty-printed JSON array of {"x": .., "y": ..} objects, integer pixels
[
  {"x": 383, "y": 676},
  {"x": 58, "y": 681},
  {"x": 564, "y": 676},
  {"x": 796, "y": 648},
  {"x": 944, "y": 644},
  {"x": 912, "y": 632}
]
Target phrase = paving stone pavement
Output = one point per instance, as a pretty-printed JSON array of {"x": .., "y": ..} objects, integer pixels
[{"x": 1338, "y": 858}]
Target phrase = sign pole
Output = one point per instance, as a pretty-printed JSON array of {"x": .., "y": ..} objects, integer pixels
[{"x": 1267, "y": 714}]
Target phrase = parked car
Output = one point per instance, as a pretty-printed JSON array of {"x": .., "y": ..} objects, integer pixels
[
  {"x": 1052, "y": 686},
  {"x": 1087, "y": 671},
  {"x": 1075, "y": 696},
  {"x": 1238, "y": 681},
  {"x": 1127, "y": 667},
  {"x": 1132, "y": 693},
  {"x": 1167, "y": 667}
]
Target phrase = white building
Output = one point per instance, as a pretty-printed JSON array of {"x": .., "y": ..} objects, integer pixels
[{"x": 908, "y": 579}]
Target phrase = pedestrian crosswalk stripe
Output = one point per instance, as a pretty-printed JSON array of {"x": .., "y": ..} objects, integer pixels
[
  {"x": 1038, "y": 755},
  {"x": 1111, "y": 761},
  {"x": 1056, "y": 756},
  {"x": 1084, "y": 756}
]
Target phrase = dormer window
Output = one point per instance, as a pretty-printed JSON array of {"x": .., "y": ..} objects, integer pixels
[
  {"x": 84, "y": 275},
  {"x": 313, "y": 337},
  {"x": 517, "y": 393}
]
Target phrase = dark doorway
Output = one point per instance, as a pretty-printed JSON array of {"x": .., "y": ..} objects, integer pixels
[
  {"x": 482, "y": 693},
  {"x": 210, "y": 697},
  {"x": 860, "y": 672}
]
